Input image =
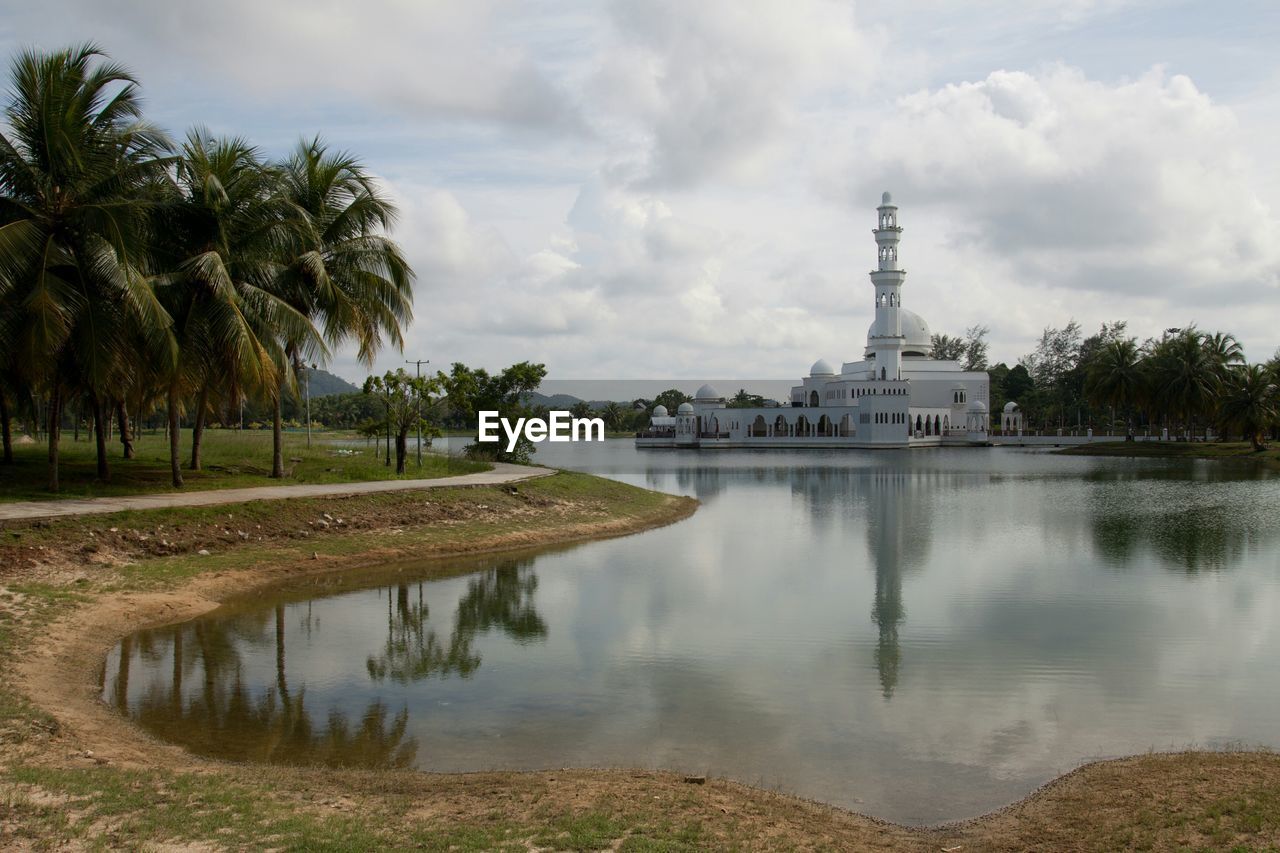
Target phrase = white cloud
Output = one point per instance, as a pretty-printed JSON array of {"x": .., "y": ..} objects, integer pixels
[
  {"x": 416, "y": 59},
  {"x": 697, "y": 196},
  {"x": 1135, "y": 197},
  {"x": 713, "y": 89}
]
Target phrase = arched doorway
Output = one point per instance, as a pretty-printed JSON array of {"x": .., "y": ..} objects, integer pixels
[{"x": 759, "y": 427}]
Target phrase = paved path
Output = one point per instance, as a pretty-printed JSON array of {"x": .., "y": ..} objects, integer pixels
[{"x": 502, "y": 473}]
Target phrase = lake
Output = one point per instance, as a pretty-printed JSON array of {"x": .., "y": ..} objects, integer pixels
[{"x": 919, "y": 635}]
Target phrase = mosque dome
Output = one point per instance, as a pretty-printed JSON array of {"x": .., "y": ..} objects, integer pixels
[
  {"x": 706, "y": 392},
  {"x": 685, "y": 409},
  {"x": 885, "y": 199},
  {"x": 659, "y": 411},
  {"x": 822, "y": 367},
  {"x": 919, "y": 340},
  {"x": 977, "y": 406},
  {"x": 1010, "y": 407}
]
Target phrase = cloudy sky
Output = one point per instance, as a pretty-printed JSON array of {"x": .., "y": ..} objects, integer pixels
[{"x": 641, "y": 189}]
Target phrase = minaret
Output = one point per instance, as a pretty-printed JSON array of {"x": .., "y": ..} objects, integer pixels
[{"x": 886, "y": 340}]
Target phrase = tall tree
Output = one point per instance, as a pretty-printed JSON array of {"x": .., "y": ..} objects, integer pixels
[
  {"x": 343, "y": 272},
  {"x": 404, "y": 398},
  {"x": 78, "y": 166},
  {"x": 946, "y": 348},
  {"x": 1114, "y": 377},
  {"x": 1185, "y": 377},
  {"x": 224, "y": 236},
  {"x": 1250, "y": 403},
  {"x": 975, "y": 347}
]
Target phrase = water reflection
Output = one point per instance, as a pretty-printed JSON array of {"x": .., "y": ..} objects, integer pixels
[
  {"x": 197, "y": 687},
  {"x": 919, "y": 635},
  {"x": 501, "y": 597}
]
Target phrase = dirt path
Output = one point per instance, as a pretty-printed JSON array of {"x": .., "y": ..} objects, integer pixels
[{"x": 501, "y": 474}]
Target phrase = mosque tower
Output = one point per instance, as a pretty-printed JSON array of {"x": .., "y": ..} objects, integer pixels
[{"x": 886, "y": 341}]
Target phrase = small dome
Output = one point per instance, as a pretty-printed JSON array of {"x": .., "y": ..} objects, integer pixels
[
  {"x": 822, "y": 367},
  {"x": 1010, "y": 407},
  {"x": 706, "y": 392},
  {"x": 886, "y": 199},
  {"x": 685, "y": 409},
  {"x": 977, "y": 406},
  {"x": 659, "y": 411}
]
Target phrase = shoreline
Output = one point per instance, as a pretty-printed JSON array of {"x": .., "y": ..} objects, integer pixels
[
  {"x": 59, "y": 677},
  {"x": 1233, "y": 452}
]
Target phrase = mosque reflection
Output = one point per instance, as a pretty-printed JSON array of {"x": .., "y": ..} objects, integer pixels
[
  {"x": 895, "y": 501},
  {"x": 200, "y": 691}
]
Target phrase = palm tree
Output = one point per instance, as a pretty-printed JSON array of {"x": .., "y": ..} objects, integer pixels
[
  {"x": 1224, "y": 352},
  {"x": 1186, "y": 378},
  {"x": 1251, "y": 403},
  {"x": 225, "y": 235},
  {"x": 614, "y": 416},
  {"x": 1114, "y": 375},
  {"x": 343, "y": 273},
  {"x": 77, "y": 169}
]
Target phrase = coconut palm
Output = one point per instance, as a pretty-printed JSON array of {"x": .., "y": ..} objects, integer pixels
[
  {"x": 1114, "y": 375},
  {"x": 77, "y": 170},
  {"x": 225, "y": 232},
  {"x": 1250, "y": 403},
  {"x": 1224, "y": 351},
  {"x": 1185, "y": 377},
  {"x": 343, "y": 272}
]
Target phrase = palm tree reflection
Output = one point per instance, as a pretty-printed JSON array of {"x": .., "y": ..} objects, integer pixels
[
  {"x": 500, "y": 597},
  {"x": 230, "y": 719},
  {"x": 233, "y": 717}
]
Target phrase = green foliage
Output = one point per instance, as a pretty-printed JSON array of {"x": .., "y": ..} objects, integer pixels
[
  {"x": 671, "y": 398},
  {"x": 743, "y": 400},
  {"x": 970, "y": 351},
  {"x": 134, "y": 277},
  {"x": 404, "y": 398},
  {"x": 471, "y": 391}
]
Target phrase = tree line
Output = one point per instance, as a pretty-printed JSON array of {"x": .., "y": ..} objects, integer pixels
[
  {"x": 1187, "y": 380},
  {"x": 140, "y": 274}
]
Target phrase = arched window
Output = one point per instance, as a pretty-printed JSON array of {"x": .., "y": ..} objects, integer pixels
[
  {"x": 937, "y": 425},
  {"x": 919, "y": 426},
  {"x": 882, "y": 373},
  {"x": 813, "y": 399}
]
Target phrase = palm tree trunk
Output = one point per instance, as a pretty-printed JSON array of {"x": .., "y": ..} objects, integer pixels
[
  {"x": 6, "y": 429},
  {"x": 277, "y": 437},
  {"x": 126, "y": 432},
  {"x": 55, "y": 432},
  {"x": 100, "y": 436},
  {"x": 175, "y": 449},
  {"x": 197, "y": 428}
]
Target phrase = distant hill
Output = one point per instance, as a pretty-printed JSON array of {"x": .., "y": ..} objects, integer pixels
[
  {"x": 561, "y": 401},
  {"x": 324, "y": 383}
]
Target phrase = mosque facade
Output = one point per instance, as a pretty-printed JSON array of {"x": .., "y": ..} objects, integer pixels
[{"x": 896, "y": 395}]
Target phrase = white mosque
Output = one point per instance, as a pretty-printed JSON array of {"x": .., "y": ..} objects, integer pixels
[{"x": 896, "y": 396}]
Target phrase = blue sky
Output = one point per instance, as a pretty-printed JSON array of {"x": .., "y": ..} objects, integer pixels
[{"x": 637, "y": 189}]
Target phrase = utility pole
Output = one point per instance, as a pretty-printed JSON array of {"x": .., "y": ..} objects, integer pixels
[{"x": 417, "y": 406}]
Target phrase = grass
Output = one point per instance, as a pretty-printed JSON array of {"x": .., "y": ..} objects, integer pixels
[
  {"x": 231, "y": 459},
  {"x": 1232, "y": 450}
]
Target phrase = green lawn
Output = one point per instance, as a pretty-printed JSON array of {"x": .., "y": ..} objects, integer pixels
[{"x": 232, "y": 459}]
